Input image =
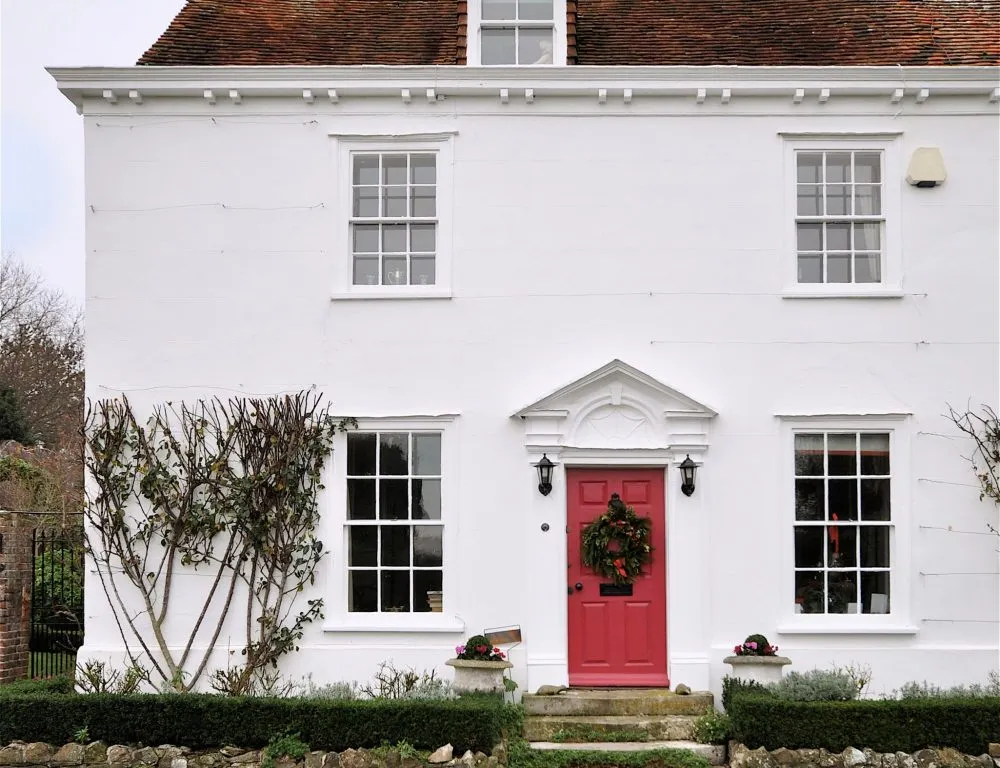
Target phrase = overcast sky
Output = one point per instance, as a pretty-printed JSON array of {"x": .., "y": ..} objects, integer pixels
[{"x": 41, "y": 136}]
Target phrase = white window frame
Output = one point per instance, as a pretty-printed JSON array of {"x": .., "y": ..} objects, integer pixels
[
  {"x": 476, "y": 24},
  {"x": 438, "y": 144},
  {"x": 338, "y": 617},
  {"x": 887, "y": 144},
  {"x": 898, "y": 621}
]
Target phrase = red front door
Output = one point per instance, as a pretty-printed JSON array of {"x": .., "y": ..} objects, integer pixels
[{"x": 617, "y": 639}]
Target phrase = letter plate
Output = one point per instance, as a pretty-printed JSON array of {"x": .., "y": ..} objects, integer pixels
[{"x": 616, "y": 590}]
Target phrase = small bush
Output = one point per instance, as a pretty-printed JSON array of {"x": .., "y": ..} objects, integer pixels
[
  {"x": 764, "y": 720},
  {"x": 206, "y": 720},
  {"x": 815, "y": 685},
  {"x": 925, "y": 690},
  {"x": 332, "y": 691},
  {"x": 58, "y": 684},
  {"x": 712, "y": 728},
  {"x": 734, "y": 686},
  {"x": 288, "y": 745}
]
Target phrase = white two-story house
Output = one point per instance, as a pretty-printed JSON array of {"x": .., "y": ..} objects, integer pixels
[{"x": 617, "y": 234}]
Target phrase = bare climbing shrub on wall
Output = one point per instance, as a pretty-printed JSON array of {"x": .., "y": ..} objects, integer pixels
[{"x": 226, "y": 488}]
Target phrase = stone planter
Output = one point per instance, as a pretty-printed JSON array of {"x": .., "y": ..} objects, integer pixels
[
  {"x": 478, "y": 676},
  {"x": 758, "y": 669}
]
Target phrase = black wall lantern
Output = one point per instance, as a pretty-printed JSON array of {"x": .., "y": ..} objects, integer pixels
[
  {"x": 687, "y": 476},
  {"x": 545, "y": 466}
]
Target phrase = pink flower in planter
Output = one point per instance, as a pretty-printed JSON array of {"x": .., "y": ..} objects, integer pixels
[{"x": 459, "y": 650}]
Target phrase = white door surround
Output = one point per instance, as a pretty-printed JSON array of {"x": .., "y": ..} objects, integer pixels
[{"x": 619, "y": 416}]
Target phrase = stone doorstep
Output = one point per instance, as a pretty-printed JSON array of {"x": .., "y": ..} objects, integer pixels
[
  {"x": 657, "y": 727},
  {"x": 618, "y": 701},
  {"x": 714, "y": 753}
]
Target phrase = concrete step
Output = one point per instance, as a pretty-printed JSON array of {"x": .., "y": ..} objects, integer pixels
[
  {"x": 714, "y": 753},
  {"x": 655, "y": 727},
  {"x": 617, "y": 701}
]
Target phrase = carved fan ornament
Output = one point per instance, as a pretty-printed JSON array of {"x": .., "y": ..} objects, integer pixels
[{"x": 616, "y": 544}]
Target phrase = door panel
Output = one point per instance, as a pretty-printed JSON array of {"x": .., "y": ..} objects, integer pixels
[{"x": 617, "y": 640}]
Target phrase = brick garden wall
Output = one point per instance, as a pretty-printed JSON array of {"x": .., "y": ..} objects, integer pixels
[{"x": 15, "y": 596}]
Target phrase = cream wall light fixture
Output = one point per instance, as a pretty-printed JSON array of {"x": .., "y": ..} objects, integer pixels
[{"x": 926, "y": 168}]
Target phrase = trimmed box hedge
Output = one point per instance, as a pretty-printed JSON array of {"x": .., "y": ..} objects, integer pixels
[
  {"x": 908, "y": 725},
  {"x": 205, "y": 720}
]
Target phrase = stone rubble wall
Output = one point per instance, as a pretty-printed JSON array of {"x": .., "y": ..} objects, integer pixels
[
  {"x": 741, "y": 756},
  {"x": 99, "y": 755}
]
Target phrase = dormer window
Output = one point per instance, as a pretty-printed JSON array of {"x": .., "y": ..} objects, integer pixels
[{"x": 517, "y": 32}]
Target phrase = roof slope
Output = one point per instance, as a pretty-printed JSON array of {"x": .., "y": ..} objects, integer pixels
[
  {"x": 607, "y": 32},
  {"x": 313, "y": 32},
  {"x": 789, "y": 32}
]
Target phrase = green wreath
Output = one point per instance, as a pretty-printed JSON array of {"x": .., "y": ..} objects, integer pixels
[{"x": 630, "y": 534}]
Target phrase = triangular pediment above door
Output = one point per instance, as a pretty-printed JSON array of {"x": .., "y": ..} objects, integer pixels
[{"x": 617, "y": 406}]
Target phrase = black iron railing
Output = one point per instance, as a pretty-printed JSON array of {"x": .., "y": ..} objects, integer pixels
[{"x": 56, "y": 602}]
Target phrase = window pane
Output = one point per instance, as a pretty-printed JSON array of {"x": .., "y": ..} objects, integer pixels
[
  {"x": 838, "y": 167},
  {"x": 810, "y": 197},
  {"x": 875, "y": 546},
  {"x": 838, "y": 237},
  {"x": 394, "y": 238},
  {"x": 366, "y": 169},
  {"x": 875, "y": 454},
  {"x": 838, "y": 268},
  {"x": 424, "y": 583},
  {"x": 534, "y": 9},
  {"x": 843, "y": 499},
  {"x": 393, "y": 502},
  {"x": 396, "y": 591},
  {"x": 422, "y": 270},
  {"x": 427, "y": 545},
  {"x": 365, "y": 270},
  {"x": 426, "y": 499},
  {"x": 810, "y": 167},
  {"x": 838, "y": 200},
  {"x": 810, "y": 268},
  {"x": 394, "y": 169},
  {"x": 366, "y": 201},
  {"x": 810, "y": 237},
  {"x": 534, "y": 46},
  {"x": 842, "y": 546},
  {"x": 867, "y": 237},
  {"x": 393, "y": 453},
  {"x": 422, "y": 238},
  {"x": 498, "y": 46},
  {"x": 867, "y": 200},
  {"x": 427, "y": 454},
  {"x": 809, "y": 546},
  {"x": 842, "y": 593},
  {"x": 361, "y": 453},
  {"x": 875, "y": 500},
  {"x": 394, "y": 271},
  {"x": 423, "y": 169},
  {"x": 394, "y": 202},
  {"x": 843, "y": 454},
  {"x": 365, "y": 238},
  {"x": 499, "y": 9},
  {"x": 867, "y": 166},
  {"x": 360, "y": 499},
  {"x": 867, "y": 267},
  {"x": 395, "y": 545},
  {"x": 875, "y": 592},
  {"x": 810, "y": 503},
  {"x": 809, "y": 455},
  {"x": 809, "y": 592},
  {"x": 423, "y": 201},
  {"x": 363, "y": 544},
  {"x": 363, "y": 592}
]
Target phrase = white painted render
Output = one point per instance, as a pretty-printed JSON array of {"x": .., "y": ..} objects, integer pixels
[{"x": 653, "y": 232}]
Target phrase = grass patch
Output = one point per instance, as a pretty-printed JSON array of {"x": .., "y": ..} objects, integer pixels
[
  {"x": 523, "y": 756},
  {"x": 586, "y": 733}
]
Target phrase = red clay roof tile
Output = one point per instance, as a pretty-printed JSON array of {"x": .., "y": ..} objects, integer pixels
[{"x": 600, "y": 32}]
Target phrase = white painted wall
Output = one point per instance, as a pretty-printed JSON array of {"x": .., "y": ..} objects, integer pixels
[{"x": 653, "y": 233}]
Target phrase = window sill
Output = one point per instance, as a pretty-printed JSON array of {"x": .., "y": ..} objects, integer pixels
[
  {"x": 847, "y": 629},
  {"x": 881, "y": 292},
  {"x": 374, "y": 622},
  {"x": 402, "y": 292}
]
